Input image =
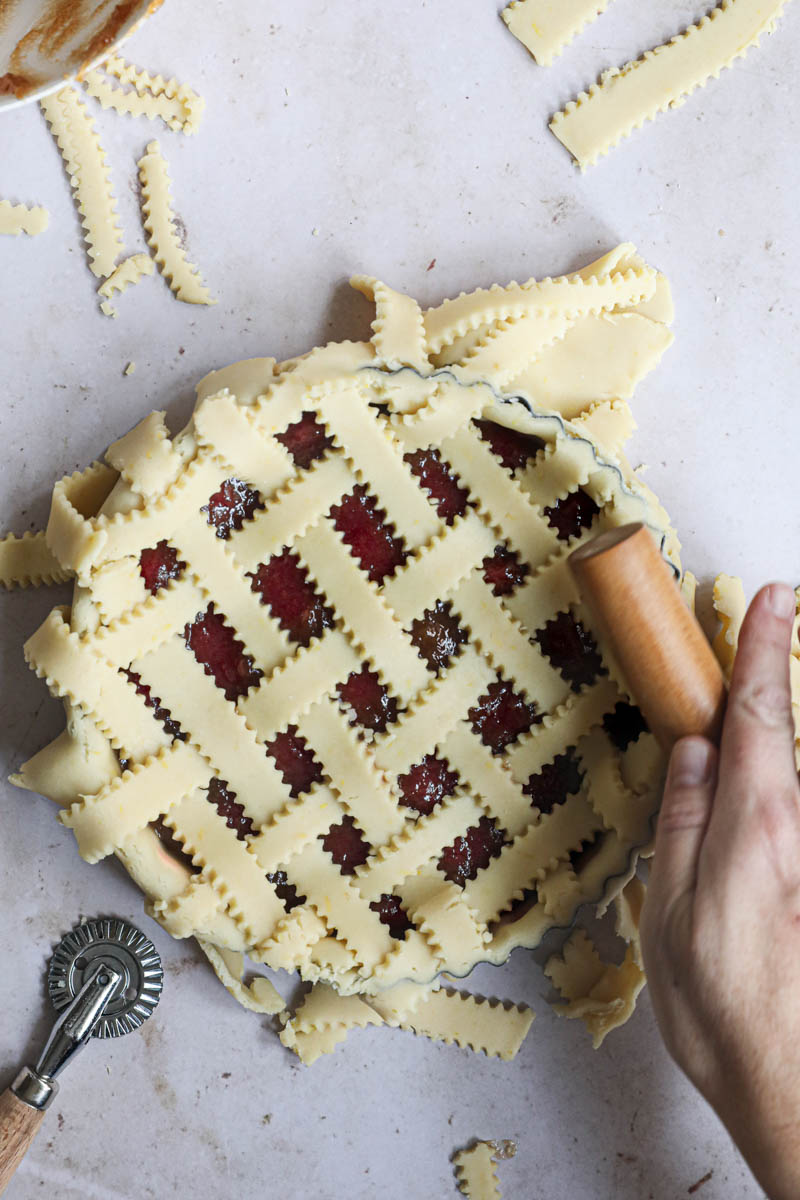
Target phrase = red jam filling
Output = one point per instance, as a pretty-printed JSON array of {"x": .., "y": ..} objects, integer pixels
[
  {"x": 162, "y": 715},
  {"x": 426, "y": 784},
  {"x": 364, "y": 529},
  {"x": 285, "y": 891},
  {"x": 225, "y": 803},
  {"x": 221, "y": 654},
  {"x": 572, "y": 650},
  {"x": 569, "y": 517},
  {"x": 503, "y": 571},
  {"x": 438, "y": 635},
  {"x": 158, "y": 565},
  {"x": 292, "y": 598},
  {"x": 472, "y": 852},
  {"x": 346, "y": 845},
  {"x": 391, "y": 913},
  {"x": 306, "y": 440},
  {"x": 231, "y": 506},
  {"x": 438, "y": 481},
  {"x": 368, "y": 700},
  {"x": 501, "y": 716},
  {"x": 556, "y": 781},
  {"x": 515, "y": 450},
  {"x": 624, "y": 725},
  {"x": 295, "y": 761}
]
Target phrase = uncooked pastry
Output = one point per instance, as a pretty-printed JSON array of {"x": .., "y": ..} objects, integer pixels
[
  {"x": 501, "y": 777},
  {"x": 545, "y": 27},
  {"x": 662, "y": 79}
]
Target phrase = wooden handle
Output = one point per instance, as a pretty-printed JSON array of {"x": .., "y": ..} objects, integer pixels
[
  {"x": 661, "y": 649},
  {"x": 19, "y": 1124}
]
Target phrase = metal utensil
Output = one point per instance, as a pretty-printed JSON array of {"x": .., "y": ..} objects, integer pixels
[{"x": 105, "y": 979}]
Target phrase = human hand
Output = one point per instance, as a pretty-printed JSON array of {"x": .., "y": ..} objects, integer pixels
[{"x": 721, "y": 924}]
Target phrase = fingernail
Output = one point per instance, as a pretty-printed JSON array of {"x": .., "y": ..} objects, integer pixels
[
  {"x": 690, "y": 764},
  {"x": 781, "y": 600}
]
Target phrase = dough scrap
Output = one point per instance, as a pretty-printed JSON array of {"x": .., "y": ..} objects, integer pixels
[
  {"x": 87, "y": 167},
  {"x": 546, "y": 27},
  {"x": 129, "y": 272},
  {"x": 22, "y": 218},
  {"x": 475, "y": 1168},
  {"x": 664, "y": 78},
  {"x": 159, "y": 221},
  {"x": 151, "y": 96}
]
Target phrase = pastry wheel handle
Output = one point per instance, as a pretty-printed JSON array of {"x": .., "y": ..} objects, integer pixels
[
  {"x": 23, "y": 1104},
  {"x": 661, "y": 650}
]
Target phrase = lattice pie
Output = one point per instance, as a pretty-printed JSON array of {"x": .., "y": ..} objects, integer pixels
[{"x": 331, "y": 695}]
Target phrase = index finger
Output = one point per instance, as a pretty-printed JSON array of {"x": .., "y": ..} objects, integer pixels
[{"x": 757, "y": 753}]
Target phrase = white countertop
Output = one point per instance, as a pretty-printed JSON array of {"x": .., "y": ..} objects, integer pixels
[{"x": 399, "y": 133}]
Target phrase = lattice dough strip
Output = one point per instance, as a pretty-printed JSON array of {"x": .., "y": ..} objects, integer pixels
[
  {"x": 227, "y": 864},
  {"x": 177, "y": 105},
  {"x": 441, "y": 708},
  {"x": 352, "y": 771},
  {"x": 222, "y": 426},
  {"x": 197, "y": 911},
  {"x": 340, "y": 905},
  {"x": 361, "y": 608},
  {"x": 87, "y": 168},
  {"x": 475, "y": 1172},
  {"x": 619, "y": 809},
  {"x": 145, "y": 457},
  {"x": 28, "y": 561},
  {"x": 300, "y": 822},
  {"x": 376, "y": 459},
  {"x": 508, "y": 346},
  {"x": 159, "y": 222},
  {"x": 312, "y": 672},
  {"x": 398, "y": 328},
  {"x": 142, "y": 629},
  {"x": 22, "y": 218},
  {"x": 500, "y": 498},
  {"x": 443, "y": 414},
  {"x": 293, "y": 509},
  {"x": 507, "y": 646},
  {"x": 662, "y": 79},
  {"x": 420, "y": 842},
  {"x": 545, "y": 27},
  {"x": 438, "y": 568},
  {"x": 130, "y": 271},
  {"x": 548, "y": 590},
  {"x": 440, "y": 912},
  {"x": 603, "y": 356},
  {"x": 562, "y": 728},
  {"x": 217, "y": 572},
  {"x": 570, "y": 296},
  {"x": 488, "y": 777},
  {"x": 131, "y": 801},
  {"x": 473, "y": 1022},
  {"x": 72, "y": 671},
  {"x": 529, "y": 858},
  {"x": 214, "y": 726}
]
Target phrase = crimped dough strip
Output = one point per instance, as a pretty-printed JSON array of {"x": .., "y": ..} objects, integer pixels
[
  {"x": 546, "y": 27},
  {"x": 663, "y": 78}
]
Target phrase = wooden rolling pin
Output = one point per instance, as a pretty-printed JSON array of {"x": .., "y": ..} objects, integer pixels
[{"x": 662, "y": 651}]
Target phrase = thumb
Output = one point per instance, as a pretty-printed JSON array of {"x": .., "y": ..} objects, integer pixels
[{"x": 682, "y": 823}]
